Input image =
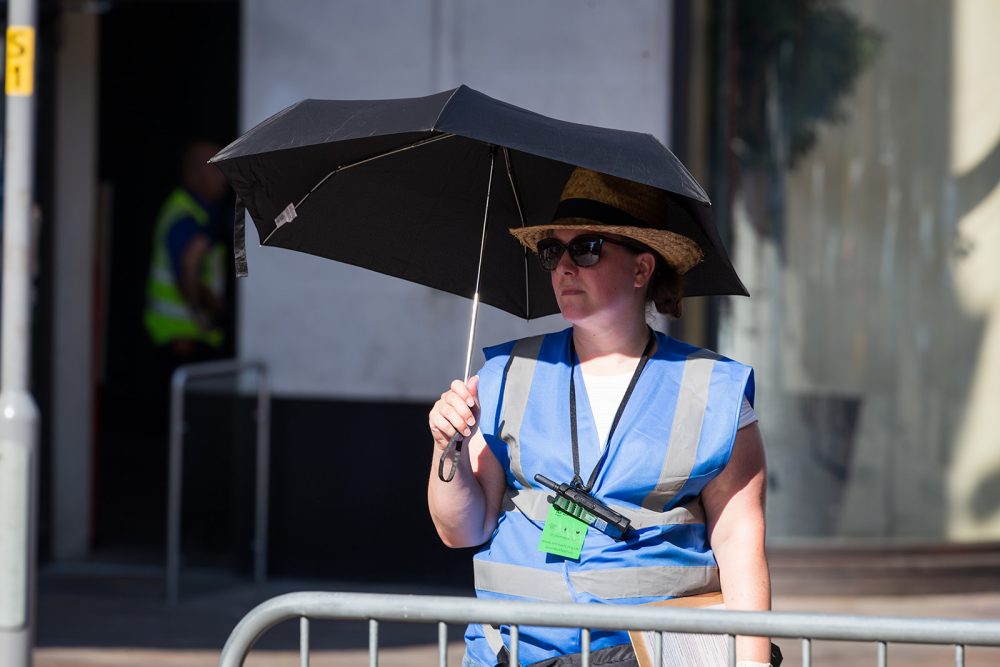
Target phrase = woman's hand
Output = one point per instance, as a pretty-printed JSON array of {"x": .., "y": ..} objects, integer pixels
[{"x": 457, "y": 411}]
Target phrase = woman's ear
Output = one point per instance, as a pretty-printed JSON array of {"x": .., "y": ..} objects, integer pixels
[{"x": 644, "y": 266}]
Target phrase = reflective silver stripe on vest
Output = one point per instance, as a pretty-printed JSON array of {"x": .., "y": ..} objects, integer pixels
[
  {"x": 493, "y": 638},
  {"x": 525, "y": 582},
  {"x": 535, "y": 505},
  {"x": 178, "y": 311},
  {"x": 163, "y": 274},
  {"x": 685, "y": 432},
  {"x": 608, "y": 584},
  {"x": 656, "y": 580},
  {"x": 519, "y": 373}
]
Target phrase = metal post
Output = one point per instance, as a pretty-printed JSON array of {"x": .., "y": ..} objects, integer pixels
[
  {"x": 304, "y": 642},
  {"x": 175, "y": 466},
  {"x": 442, "y": 644},
  {"x": 175, "y": 463},
  {"x": 372, "y": 643},
  {"x": 18, "y": 412},
  {"x": 262, "y": 487}
]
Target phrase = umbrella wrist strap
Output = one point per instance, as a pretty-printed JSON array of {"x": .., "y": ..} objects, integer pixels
[{"x": 449, "y": 458}]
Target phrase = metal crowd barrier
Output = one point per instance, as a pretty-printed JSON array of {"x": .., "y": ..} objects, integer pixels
[
  {"x": 445, "y": 610},
  {"x": 178, "y": 386}
]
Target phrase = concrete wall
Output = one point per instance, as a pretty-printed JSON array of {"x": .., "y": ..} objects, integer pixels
[
  {"x": 334, "y": 331},
  {"x": 873, "y": 321}
]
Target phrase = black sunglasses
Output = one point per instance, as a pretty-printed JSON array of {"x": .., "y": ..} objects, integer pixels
[{"x": 584, "y": 250}]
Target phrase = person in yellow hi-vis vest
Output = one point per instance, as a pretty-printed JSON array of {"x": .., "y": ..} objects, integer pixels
[{"x": 185, "y": 293}]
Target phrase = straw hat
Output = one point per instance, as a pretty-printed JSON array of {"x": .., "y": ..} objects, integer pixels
[{"x": 597, "y": 202}]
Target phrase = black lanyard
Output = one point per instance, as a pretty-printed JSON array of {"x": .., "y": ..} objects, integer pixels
[{"x": 577, "y": 480}]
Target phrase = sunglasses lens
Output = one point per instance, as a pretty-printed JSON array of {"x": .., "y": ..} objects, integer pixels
[
  {"x": 549, "y": 252},
  {"x": 585, "y": 251}
]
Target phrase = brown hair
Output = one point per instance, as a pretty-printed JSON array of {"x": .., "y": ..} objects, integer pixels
[{"x": 666, "y": 290}]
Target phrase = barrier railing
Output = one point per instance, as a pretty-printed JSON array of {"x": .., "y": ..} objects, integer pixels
[
  {"x": 445, "y": 610},
  {"x": 178, "y": 386}
]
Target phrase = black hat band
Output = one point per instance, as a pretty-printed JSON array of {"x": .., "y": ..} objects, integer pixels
[{"x": 598, "y": 212}]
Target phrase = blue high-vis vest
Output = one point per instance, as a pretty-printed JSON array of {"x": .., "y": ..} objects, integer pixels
[{"x": 675, "y": 435}]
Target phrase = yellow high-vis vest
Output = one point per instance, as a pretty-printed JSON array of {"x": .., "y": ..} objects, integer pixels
[{"x": 168, "y": 316}]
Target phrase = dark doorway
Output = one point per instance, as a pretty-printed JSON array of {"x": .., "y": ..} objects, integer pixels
[{"x": 169, "y": 75}]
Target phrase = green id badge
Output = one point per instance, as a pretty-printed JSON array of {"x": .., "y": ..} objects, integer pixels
[{"x": 563, "y": 534}]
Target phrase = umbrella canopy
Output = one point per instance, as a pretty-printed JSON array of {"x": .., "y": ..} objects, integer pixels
[{"x": 399, "y": 187}]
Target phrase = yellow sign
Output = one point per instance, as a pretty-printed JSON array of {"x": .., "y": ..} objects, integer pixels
[{"x": 20, "y": 60}]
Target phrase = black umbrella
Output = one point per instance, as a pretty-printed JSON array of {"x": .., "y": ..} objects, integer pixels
[
  {"x": 425, "y": 189},
  {"x": 398, "y": 187}
]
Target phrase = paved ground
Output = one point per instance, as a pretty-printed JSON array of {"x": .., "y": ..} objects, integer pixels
[
  {"x": 966, "y": 605},
  {"x": 95, "y": 618}
]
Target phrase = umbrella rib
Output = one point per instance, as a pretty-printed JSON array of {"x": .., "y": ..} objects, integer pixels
[
  {"x": 520, "y": 215},
  {"x": 344, "y": 167}
]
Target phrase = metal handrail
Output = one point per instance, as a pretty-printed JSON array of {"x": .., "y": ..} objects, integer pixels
[
  {"x": 178, "y": 386},
  {"x": 443, "y": 610}
]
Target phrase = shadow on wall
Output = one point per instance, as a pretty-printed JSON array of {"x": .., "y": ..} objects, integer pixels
[
  {"x": 985, "y": 500},
  {"x": 795, "y": 66},
  {"x": 974, "y": 475}
]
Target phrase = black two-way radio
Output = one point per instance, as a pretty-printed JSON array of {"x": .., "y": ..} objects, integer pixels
[{"x": 587, "y": 508}]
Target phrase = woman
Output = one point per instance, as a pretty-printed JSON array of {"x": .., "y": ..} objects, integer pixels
[{"x": 658, "y": 431}]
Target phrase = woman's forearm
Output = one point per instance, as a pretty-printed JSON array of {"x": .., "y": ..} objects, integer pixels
[
  {"x": 458, "y": 507},
  {"x": 734, "y": 505},
  {"x": 746, "y": 586}
]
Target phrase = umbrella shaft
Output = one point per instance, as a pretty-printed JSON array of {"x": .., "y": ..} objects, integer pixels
[
  {"x": 479, "y": 268},
  {"x": 472, "y": 335},
  {"x": 475, "y": 317}
]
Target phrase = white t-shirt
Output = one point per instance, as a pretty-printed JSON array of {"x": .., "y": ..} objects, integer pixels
[{"x": 606, "y": 391}]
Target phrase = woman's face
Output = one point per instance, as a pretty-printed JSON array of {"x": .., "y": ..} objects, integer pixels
[{"x": 601, "y": 294}]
